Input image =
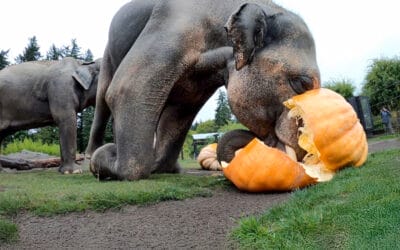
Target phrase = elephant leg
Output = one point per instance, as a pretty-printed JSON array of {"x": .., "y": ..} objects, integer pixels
[
  {"x": 102, "y": 112},
  {"x": 67, "y": 127},
  {"x": 1, "y": 140},
  {"x": 232, "y": 141},
  {"x": 137, "y": 96},
  {"x": 171, "y": 133}
]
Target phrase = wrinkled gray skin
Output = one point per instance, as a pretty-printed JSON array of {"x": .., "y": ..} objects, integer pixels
[
  {"x": 232, "y": 141},
  {"x": 164, "y": 59},
  {"x": 37, "y": 94}
]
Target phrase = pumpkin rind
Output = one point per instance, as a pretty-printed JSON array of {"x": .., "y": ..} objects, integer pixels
[{"x": 332, "y": 127}]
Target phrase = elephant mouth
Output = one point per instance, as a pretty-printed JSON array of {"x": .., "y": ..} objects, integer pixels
[{"x": 295, "y": 152}]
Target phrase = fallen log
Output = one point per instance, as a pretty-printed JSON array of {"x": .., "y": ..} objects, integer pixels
[{"x": 23, "y": 164}]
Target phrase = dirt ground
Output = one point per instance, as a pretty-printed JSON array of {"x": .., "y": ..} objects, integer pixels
[{"x": 199, "y": 223}]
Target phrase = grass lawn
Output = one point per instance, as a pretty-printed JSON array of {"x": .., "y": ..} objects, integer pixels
[
  {"x": 383, "y": 137},
  {"x": 45, "y": 193},
  {"x": 358, "y": 209}
]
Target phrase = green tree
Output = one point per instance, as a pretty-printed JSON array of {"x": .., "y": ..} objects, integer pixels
[
  {"x": 72, "y": 51},
  {"x": 206, "y": 127},
  {"x": 223, "y": 113},
  {"x": 84, "y": 122},
  {"x": 4, "y": 59},
  {"x": 19, "y": 136},
  {"x": 88, "y": 57},
  {"x": 382, "y": 84},
  {"x": 344, "y": 87},
  {"x": 49, "y": 135},
  {"x": 231, "y": 126},
  {"x": 31, "y": 52},
  {"x": 54, "y": 53}
]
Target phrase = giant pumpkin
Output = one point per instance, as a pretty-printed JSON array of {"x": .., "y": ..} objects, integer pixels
[
  {"x": 207, "y": 157},
  {"x": 331, "y": 134}
]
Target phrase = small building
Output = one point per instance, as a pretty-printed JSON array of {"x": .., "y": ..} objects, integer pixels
[
  {"x": 362, "y": 107},
  {"x": 200, "y": 140}
]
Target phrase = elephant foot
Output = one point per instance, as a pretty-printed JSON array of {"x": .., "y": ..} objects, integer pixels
[
  {"x": 70, "y": 169},
  {"x": 102, "y": 162},
  {"x": 105, "y": 166}
]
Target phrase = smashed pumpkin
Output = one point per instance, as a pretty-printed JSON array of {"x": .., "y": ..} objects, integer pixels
[
  {"x": 331, "y": 134},
  {"x": 207, "y": 158}
]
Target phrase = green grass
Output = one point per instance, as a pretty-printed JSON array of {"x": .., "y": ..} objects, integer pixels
[
  {"x": 189, "y": 163},
  {"x": 358, "y": 209},
  {"x": 46, "y": 193},
  {"x": 384, "y": 137},
  {"x": 29, "y": 144},
  {"x": 8, "y": 232}
]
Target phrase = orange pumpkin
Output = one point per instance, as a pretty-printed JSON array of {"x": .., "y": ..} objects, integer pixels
[
  {"x": 331, "y": 135},
  {"x": 258, "y": 168},
  {"x": 207, "y": 158}
]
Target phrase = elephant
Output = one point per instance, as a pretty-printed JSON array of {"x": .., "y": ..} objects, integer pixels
[
  {"x": 42, "y": 93},
  {"x": 163, "y": 61}
]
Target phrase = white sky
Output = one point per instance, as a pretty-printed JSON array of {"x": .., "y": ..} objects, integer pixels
[{"x": 348, "y": 34}]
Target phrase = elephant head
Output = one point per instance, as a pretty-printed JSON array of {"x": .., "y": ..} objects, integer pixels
[
  {"x": 274, "y": 59},
  {"x": 86, "y": 75}
]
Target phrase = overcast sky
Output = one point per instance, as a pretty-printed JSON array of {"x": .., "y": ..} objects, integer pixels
[{"x": 348, "y": 34}]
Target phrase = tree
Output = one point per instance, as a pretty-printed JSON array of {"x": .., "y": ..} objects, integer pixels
[
  {"x": 54, "y": 53},
  {"x": 31, "y": 52},
  {"x": 88, "y": 57},
  {"x": 223, "y": 113},
  {"x": 382, "y": 84},
  {"x": 4, "y": 59},
  {"x": 206, "y": 127},
  {"x": 48, "y": 134},
  {"x": 231, "y": 126},
  {"x": 84, "y": 123},
  {"x": 73, "y": 51},
  {"x": 344, "y": 87}
]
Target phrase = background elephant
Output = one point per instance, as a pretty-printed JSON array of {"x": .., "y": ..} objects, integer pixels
[
  {"x": 41, "y": 93},
  {"x": 164, "y": 59}
]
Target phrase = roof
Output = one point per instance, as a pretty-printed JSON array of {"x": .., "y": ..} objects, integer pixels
[{"x": 205, "y": 136}]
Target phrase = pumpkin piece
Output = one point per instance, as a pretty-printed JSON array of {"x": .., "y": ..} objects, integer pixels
[
  {"x": 207, "y": 158},
  {"x": 332, "y": 133},
  {"x": 258, "y": 167}
]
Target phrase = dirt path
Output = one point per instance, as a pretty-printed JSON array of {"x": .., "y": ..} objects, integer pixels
[
  {"x": 200, "y": 223},
  {"x": 383, "y": 145}
]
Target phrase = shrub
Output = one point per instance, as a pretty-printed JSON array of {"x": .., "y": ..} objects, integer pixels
[{"x": 35, "y": 146}]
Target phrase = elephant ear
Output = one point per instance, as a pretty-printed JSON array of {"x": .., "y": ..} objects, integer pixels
[
  {"x": 83, "y": 76},
  {"x": 246, "y": 28}
]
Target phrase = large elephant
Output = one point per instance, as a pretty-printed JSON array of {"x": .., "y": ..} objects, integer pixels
[
  {"x": 41, "y": 93},
  {"x": 164, "y": 59}
]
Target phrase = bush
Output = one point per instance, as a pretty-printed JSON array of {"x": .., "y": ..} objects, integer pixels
[{"x": 35, "y": 146}]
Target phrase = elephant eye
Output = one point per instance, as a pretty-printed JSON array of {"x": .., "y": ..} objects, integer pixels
[{"x": 301, "y": 84}]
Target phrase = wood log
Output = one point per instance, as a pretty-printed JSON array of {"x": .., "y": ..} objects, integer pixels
[{"x": 22, "y": 164}]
